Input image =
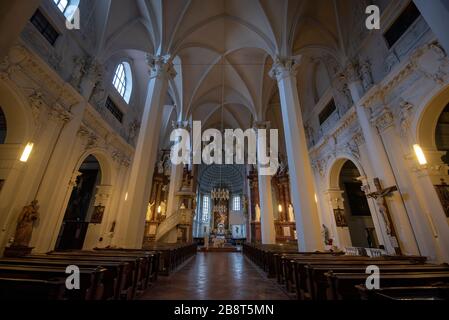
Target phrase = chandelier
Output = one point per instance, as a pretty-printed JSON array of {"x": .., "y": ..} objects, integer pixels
[{"x": 220, "y": 194}]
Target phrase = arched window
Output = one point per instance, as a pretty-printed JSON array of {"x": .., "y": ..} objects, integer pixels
[
  {"x": 2, "y": 127},
  {"x": 123, "y": 80},
  {"x": 206, "y": 208},
  {"x": 236, "y": 205},
  {"x": 67, "y": 7}
]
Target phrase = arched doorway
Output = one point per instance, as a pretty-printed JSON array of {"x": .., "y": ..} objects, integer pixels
[
  {"x": 356, "y": 208},
  {"x": 442, "y": 134},
  {"x": 80, "y": 206}
]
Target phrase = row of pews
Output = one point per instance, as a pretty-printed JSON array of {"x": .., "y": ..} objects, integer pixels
[
  {"x": 105, "y": 274},
  {"x": 337, "y": 276}
]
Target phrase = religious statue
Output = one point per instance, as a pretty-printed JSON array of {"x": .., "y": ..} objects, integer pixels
[
  {"x": 291, "y": 213},
  {"x": 365, "y": 72},
  {"x": 133, "y": 130},
  {"x": 384, "y": 213},
  {"x": 25, "y": 225},
  {"x": 257, "y": 209},
  {"x": 163, "y": 208},
  {"x": 160, "y": 167},
  {"x": 325, "y": 233},
  {"x": 150, "y": 211}
]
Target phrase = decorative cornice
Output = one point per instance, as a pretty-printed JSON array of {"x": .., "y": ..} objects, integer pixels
[{"x": 383, "y": 119}]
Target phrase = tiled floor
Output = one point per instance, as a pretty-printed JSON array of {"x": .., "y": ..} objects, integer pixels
[{"x": 216, "y": 276}]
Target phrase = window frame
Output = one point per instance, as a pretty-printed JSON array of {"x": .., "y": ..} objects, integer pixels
[
  {"x": 122, "y": 80},
  {"x": 205, "y": 208},
  {"x": 236, "y": 203},
  {"x": 68, "y": 10}
]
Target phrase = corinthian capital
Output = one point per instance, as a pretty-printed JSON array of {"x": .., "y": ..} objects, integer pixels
[
  {"x": 284, "y": 67},
  {"x": 160, "y": 66},
  {"x": 352, "y": 73}
]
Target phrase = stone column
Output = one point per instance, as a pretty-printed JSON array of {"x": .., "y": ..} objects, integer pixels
[
  {"x": 372, "y": 123},
  {"x": 301, "y": 177},
  {"x": 14, "y": 15},
  {"x": 429, "y": 176},
  {"x": 436, "y": 13},
  {"x": 133, "y": 224},
  {"x": 266, "y": 210}
]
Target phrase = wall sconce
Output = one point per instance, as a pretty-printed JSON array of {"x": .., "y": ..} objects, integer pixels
[
  {"x": 280, "y": 208},
  {"x": 316, "y": 199},
  {"x": 26, "y": 152},
  {"x": 159, "y": 209},
  {"x": 126, "y": 196},
  {"x": 420, "y": 154}
]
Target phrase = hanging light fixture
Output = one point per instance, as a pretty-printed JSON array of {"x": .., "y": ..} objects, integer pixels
[{"x": 221, "y": 194}]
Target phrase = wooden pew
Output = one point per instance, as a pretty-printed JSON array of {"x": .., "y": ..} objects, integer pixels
[
  {"x": 405, "y": 293},
  {"x": 31, "y": 289},
  {"x": 135, "y": 280},
  {"x": 342, "y": 286},
  {"x": 113, "y": 280},
  {"x": 299, "y": 275},
  {"x": 153, "y": 256},
  {"x": 91, "y": 278},
  {"x": 317, "y": 283}
]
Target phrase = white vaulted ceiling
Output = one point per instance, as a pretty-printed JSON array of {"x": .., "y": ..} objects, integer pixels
[{"x": 220, "y": 43}]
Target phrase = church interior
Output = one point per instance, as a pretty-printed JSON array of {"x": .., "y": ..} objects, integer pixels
[{"x": 93, "y": 207}]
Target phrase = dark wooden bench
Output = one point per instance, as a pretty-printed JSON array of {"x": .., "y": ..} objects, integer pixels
[
  {"x": 31, "y": 289},
  {"x": 91, "y": 279},
  {"x": 342, "y": 286},
  {"x": 135, "y": 280},
  {"x": 405, "y": 293},
  {"x": 113, "y": 280},
  {"x": 317, "y": 283}
]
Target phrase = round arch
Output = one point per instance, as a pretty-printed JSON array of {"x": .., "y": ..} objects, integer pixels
[
  {"x": 16, "y": 114},
  {"x": 427, "y": 118},
  {"x": 335, "y": 167},
  {"x": 107, "y": 173}
]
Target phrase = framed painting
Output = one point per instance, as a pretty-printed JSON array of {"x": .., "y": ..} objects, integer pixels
[
  {"x": 97, "y": 216},
  {"x": 340, "y": 218}
]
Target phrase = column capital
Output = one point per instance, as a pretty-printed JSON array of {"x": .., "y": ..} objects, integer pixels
[
  {"x": 262, "y": 125},
  {"x": 181, "y": 124},
  {"x": 351, "y": 72},
  {"x": 284, "y": 67},
  {"x": 161, "y": 66}
]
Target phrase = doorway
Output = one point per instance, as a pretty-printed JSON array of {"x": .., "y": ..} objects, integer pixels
[
  {"x": 79, "y": 209},
  {"x": 356, "y": 208}
]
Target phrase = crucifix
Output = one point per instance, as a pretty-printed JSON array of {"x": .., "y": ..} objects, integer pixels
[{"x": 380, "y": 196}]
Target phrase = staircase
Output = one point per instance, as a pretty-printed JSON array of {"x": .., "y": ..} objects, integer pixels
[{"x": 181, "y": 217}]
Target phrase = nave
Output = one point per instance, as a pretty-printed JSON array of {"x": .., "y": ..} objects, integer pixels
[{"x": 216, "y": 276}]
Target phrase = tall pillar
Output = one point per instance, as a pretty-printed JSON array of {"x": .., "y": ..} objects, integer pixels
[
  {"x": 430, "y": 177},
  {"x": 14, "y": 16},
  {"x": 266, "y": 210},
  {"x": 436, "y": 13},
  {"x": 139, "y": 185},
  {"x": 372, "y": 125},
  {"x": 301, "y": 177}
]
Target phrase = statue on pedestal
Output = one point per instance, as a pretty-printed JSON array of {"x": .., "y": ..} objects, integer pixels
[
  {"x": 257, "y": 209},
  {"x": 291, "y": 213},
  {"x": 150, "y": 211},
  {"x": 25, "y": 224}
]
